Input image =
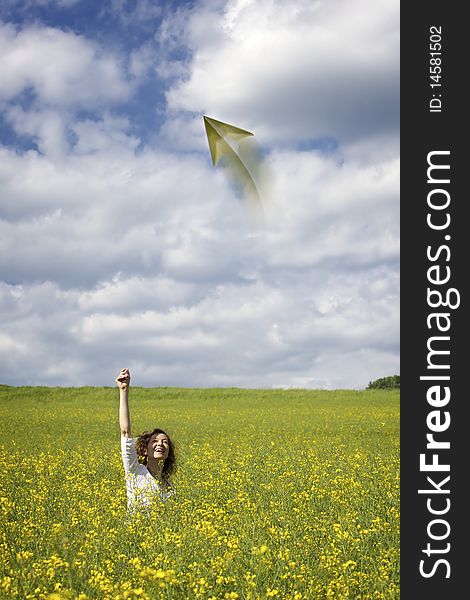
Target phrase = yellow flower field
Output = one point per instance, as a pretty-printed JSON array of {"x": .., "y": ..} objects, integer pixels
[{"x": 280, "y": 494}]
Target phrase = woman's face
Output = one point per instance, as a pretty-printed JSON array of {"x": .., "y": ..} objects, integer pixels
[{"x": 158, "y": 446}]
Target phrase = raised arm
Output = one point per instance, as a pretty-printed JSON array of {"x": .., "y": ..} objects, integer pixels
[{"x": 123, "y": 381}]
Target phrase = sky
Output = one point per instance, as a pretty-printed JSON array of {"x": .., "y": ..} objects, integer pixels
[{"x": 122, "y": 246}]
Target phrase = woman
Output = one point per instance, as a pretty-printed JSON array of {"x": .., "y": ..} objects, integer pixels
[{"x": 148, "y": 460}]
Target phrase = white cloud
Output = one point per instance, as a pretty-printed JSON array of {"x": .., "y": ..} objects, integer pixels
[
  {"x": 114, "y": 254},
  {"x": 238, "y": 335},
  {"x": 132, "y": 12},
  {"x": 46, "y": 127},
  {"x": 137, "y": 294},
  {"x": 62, "y": 68},
  {"x": 297, "y": 70},
  {"x": 107, "y": 134},
  {"x": 154, "y": 249}
]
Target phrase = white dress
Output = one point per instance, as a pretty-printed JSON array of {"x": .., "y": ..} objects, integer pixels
[{"x": 142, "y": 488}]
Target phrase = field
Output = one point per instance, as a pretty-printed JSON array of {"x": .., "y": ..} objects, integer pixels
[{"x": 280, "y": 494}]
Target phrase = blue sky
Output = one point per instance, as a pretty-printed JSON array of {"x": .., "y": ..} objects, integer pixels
[
  {"x": 123, "y": 26},
  {"x": 121, "y": 245}
]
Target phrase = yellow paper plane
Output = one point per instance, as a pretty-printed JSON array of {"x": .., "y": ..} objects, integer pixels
[{"x": 240, "y": 160}]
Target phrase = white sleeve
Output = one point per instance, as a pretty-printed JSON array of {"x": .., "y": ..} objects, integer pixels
[{"x": 129, "y": 455}]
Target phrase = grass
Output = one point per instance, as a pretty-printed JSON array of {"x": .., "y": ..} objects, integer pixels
[{"x": 286, "y": 494}]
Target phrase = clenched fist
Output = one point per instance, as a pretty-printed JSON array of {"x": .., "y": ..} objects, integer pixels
[{"x": 123, "y": 380}]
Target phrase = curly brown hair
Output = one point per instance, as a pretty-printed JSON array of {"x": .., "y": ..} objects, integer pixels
[{"x": 169, "y": 465}]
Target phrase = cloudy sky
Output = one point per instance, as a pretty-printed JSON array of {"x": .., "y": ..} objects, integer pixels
[{"x": 121, "y": 244}]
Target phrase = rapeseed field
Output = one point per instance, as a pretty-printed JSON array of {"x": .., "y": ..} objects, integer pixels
[{"x": 280, "y": 494}]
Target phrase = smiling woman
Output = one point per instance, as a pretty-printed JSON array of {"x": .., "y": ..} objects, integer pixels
[{"x": 148, "y": 460}]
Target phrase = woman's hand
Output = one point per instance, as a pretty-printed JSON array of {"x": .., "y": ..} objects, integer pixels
[{"x": 123, "y": 380}]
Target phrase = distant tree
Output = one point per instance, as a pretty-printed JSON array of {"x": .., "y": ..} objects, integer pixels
[{"x": 391, "y": 382}]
